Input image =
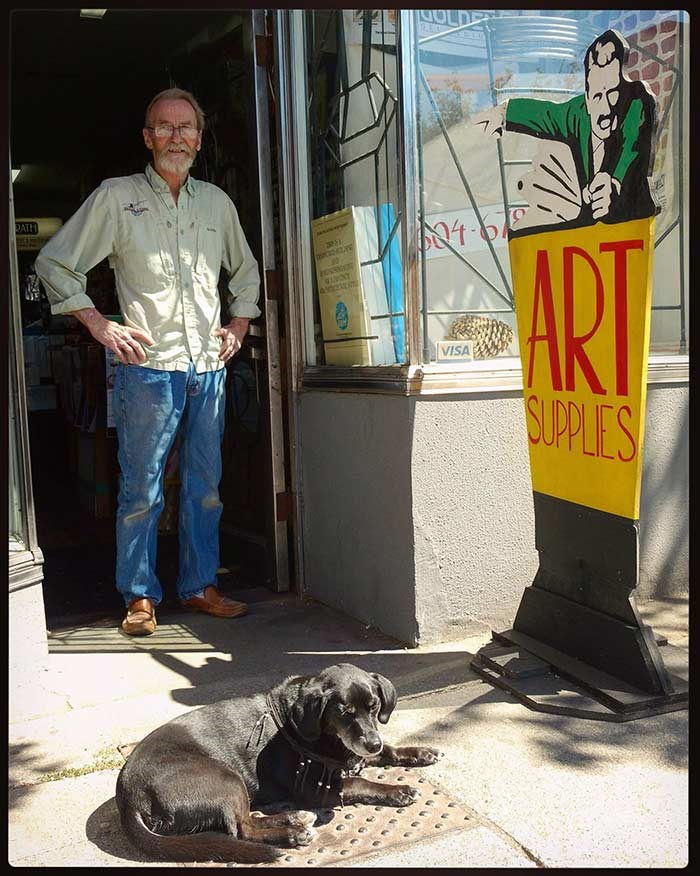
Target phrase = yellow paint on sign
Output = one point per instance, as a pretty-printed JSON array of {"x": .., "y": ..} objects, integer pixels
[{"x": 583, "y": 307}]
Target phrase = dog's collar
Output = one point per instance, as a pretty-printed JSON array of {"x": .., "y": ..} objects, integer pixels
[{"x": 331, "y": 769}]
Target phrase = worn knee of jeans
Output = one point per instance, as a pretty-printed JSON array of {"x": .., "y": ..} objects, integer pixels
[
  {"x": 211, "y": 501},
  {"x": 140, "y": 508},
  {"x": 137, "y": 515}
]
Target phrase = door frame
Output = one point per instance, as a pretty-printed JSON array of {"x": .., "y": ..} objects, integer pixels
[
  {"x": 25, "y": 567},
  {"x": 277, "y": 506},
  {"x": 295, "y": 235}
]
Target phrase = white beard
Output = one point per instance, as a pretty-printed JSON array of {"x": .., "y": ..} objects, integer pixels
[{"x": 176, "y": 162}]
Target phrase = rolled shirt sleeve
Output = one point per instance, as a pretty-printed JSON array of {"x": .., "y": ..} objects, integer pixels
[
  {"x": 243, "y": 290},
  {"x": 84, "y": 241}
]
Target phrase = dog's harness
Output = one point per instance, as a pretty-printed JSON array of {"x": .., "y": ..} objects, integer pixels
[{"x": 331, "y": 770}]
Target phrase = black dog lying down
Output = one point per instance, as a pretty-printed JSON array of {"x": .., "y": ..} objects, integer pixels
[{"x": 184, "y": 793}]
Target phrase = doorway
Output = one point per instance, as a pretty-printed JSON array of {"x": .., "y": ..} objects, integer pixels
[{"x": 79, "y": 87}]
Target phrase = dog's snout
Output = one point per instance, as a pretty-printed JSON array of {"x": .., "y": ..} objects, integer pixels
[{"x": 373, "y": 744}]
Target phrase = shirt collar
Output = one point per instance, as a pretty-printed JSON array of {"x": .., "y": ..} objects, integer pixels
[
  {"x": 189, "y": 185},
  {"x": 159, "y": 184}
]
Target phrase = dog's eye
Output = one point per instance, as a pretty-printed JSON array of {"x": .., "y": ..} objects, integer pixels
[
  {"x": 347, "y": 710},
  {"x": 374, "y": 706}
]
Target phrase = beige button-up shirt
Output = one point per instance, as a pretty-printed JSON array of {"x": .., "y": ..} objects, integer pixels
[{"x": 166, "y": 257}]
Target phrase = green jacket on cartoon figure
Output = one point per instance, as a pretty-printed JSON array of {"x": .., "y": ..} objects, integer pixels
[{"x": 627, "y": 152}]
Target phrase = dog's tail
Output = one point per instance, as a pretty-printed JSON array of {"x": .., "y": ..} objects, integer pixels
[{"x": 207, "y": 846}]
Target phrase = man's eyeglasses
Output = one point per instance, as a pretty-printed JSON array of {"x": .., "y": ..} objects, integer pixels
[{"x": 185, "y": 131}]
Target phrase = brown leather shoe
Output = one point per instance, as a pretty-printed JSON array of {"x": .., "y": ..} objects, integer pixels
[
  {"x": 212, "y": 602},
  {"x": 140, "y": 618}
]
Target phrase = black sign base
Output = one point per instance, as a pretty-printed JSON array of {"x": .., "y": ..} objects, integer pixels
[
  {"x": 579, "y": 619},
  {"x": 546, "y": 680}
]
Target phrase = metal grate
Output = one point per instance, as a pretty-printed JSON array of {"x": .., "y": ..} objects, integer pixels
[
  {"x": 349, "y": 833},
  {"x": 357, "y": 830}
]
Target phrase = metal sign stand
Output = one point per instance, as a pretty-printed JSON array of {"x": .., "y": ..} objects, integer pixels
[{"x": 579, "y": 620}]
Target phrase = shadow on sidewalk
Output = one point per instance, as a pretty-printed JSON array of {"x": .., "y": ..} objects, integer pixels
[
  {"x": 575, "y": 743},
  {"x": 280, "y": 636},
  {"x": 103, "y": 828}
]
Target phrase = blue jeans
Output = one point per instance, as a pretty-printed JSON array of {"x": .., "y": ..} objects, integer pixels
[{"x": 149, "y": 406}]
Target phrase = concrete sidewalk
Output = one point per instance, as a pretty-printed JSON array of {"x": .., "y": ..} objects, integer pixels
[{"x": 539, "y": 789}]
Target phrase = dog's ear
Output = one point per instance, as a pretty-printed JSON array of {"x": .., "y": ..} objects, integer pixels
[
  {"x": 307, "y": 711},
  {"x": 387, "y": 694}
]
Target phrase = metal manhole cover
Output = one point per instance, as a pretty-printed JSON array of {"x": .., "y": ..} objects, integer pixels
[{"x": 359, "y": 829}]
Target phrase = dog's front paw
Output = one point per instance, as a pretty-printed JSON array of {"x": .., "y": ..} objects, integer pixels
[
  {"x": 425, "y": 756},
  {"x": 403, "y": 795},
  {"x": 411, "y": 756},
  {"x": 415, "y": 755},
  {"x": 303, "y": 836},
  {"x": 302, "y": 818}
]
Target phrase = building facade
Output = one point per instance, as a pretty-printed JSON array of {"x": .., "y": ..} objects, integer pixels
[{"x": 397, "y": 485}]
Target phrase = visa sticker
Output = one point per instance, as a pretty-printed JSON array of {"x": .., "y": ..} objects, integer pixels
[{"x": 455, "y": 351}]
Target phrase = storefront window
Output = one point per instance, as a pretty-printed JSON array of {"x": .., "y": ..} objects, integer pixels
[
  {"x": 357, "y": 305},
  {"x": 383, "y": 106},
  {"x": 468, "y": 61}
]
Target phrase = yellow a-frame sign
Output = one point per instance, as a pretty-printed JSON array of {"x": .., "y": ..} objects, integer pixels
[{"x": 581, "y": 261}]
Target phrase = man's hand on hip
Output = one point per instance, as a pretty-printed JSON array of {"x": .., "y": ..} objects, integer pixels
[
  {"x": 124, "y": 341},
  {"x": 232, "y": 337}
]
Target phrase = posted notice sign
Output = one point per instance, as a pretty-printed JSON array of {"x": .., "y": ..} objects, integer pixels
[{"x": 583, "y": 307}]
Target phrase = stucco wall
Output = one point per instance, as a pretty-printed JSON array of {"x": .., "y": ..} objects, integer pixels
[
  {"x": 664, "y": 507},
  {"x": 356, "y": 495},
  {"x": 27, "y": 645},
  {"x": 472, "y": 511},
  {"x": 418, "y": 514}
]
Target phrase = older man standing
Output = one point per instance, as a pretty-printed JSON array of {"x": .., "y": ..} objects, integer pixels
[{"x": 167, "y": 236}]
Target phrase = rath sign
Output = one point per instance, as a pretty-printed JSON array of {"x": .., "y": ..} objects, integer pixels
[{"x": 32, "y": 234}]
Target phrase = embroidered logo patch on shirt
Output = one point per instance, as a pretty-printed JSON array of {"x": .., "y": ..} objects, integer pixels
[{"x": 135, "y": 209}]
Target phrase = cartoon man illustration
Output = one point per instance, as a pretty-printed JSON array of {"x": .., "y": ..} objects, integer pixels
[{"x": 603, "y": 175}]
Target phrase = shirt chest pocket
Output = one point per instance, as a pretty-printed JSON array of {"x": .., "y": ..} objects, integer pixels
[
  {"x": 208, "y": 255},
  {"x": 146, "y": 260}
]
